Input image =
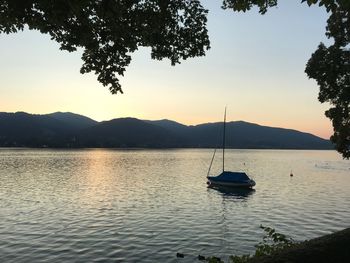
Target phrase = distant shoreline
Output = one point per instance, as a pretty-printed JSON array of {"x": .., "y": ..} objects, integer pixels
[{"x": 160, "y": 148}]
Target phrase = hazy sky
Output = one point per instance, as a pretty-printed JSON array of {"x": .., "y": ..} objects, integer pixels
[{"x": 255, "y": 66}]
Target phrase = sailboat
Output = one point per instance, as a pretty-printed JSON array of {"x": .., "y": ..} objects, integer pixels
[{"x": 228, "y": 178}]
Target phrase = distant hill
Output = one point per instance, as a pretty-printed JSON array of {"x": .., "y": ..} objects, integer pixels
[
  {"x": 23, "y": 129},
  {"x": 244, "y": 135},
  {"x": 128, "y": 132},
  {"x": 73, "y": 121},
  {"x": 169, "y": 125},
  {"x": 72, "y": 130}
]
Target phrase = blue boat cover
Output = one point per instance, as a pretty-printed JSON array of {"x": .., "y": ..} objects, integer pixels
[{"x": 230, "y": 177}]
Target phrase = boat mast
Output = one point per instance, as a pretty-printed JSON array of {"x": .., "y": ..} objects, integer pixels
[
  {"x": 223, "y": 144},
  {"x": 212, "y": 159}
]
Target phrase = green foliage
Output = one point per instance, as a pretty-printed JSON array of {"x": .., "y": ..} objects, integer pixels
[
  {"x": 330, "y": 67},
  {"x": 240, "y": 259},
  {"x": 214, "y": 260},
  {"x": 264, "y": 5},
  {"x": 108, "y": 31},
  {"x": 245, "y": 5},
  {"x": 271, "y": 243}
]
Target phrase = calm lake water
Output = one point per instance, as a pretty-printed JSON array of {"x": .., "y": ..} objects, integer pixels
[{"x": 146, "y": 205}]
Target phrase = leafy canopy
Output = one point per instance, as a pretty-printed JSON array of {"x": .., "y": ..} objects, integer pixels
[{"x": 109, "y": 31}]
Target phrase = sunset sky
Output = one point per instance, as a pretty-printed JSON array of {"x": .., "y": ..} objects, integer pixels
[{"x": 255, "y": 66}]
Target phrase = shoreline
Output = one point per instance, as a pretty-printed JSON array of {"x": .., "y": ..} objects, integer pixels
[
  {"x": 165, "y": 148},
  {"x": 333, "y": 248}
]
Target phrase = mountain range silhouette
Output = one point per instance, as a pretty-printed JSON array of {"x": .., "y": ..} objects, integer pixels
[{"x": 69, "y": 130}]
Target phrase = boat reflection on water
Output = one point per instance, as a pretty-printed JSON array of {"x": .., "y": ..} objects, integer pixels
[
  {"x": 233, "y": 192},
  {"x": 227, "y": 200}
]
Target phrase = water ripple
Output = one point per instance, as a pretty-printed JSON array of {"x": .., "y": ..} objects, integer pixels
[{"x": 145, "y": 206}]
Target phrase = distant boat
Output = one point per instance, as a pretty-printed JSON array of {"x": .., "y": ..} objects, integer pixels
[{"x": 227, "y": 178}]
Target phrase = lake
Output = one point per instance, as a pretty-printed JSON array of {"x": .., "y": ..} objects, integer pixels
[{"x": 101, "y": 205}]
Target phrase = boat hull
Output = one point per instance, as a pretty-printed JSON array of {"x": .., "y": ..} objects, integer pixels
[
  {"x": 231, "y": 179},
  {"x": 248, "y": 184}
]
